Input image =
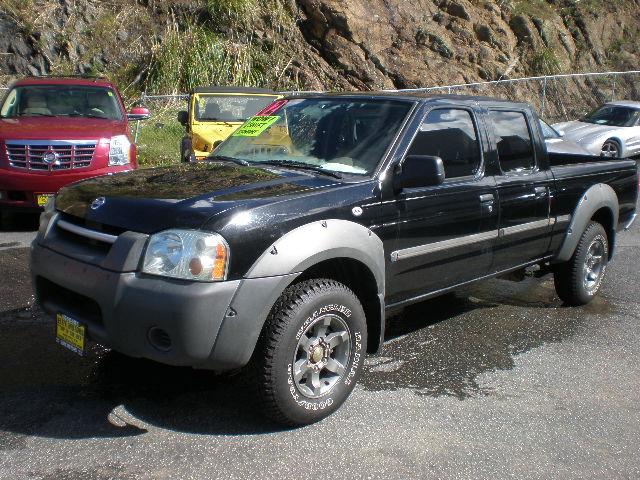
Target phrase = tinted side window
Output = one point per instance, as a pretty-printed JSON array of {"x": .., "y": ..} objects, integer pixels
[
  {"x": 451, "y": 135},
  {"x": 515, "y": 148}
]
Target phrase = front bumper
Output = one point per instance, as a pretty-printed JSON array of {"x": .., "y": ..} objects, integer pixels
[
  {"x": 20, "y": 188},
  {"x": 208, "y": 325}
]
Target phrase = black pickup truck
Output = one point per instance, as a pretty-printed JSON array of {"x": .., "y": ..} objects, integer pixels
[{"x": 286, "y": 250}]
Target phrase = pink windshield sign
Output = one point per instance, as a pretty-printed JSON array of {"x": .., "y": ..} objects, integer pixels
[{"x": 272, "y": 108}]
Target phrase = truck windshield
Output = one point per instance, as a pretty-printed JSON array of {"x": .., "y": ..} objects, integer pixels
[
  {"x": 61, "y": 101},
  {"x": 339, "y": 135},
  {"x": 614, "y": 116},
  {"x": 229, "y": 108}
]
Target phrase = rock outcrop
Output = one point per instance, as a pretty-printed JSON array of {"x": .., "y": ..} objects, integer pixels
[{"x": 336, "y": 44}]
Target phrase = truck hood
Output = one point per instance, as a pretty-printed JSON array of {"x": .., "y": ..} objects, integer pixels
[
  {"x": 180, "y": 196},
  {"x": 60, "y": 128}
]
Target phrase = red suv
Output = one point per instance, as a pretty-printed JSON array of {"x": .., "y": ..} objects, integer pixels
[{"x": 54, "y": 131}]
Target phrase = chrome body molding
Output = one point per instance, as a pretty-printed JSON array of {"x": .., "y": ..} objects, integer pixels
[
  {"x": 85, "y": 232},
  {"x": 443, "y": 245},
  {"x": 525, "y": 227},
  {"x": 471, "y": 239}
]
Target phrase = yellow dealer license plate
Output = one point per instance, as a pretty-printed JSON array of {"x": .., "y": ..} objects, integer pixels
[
  {"x": 70, "y": 333},
  {"x": 43, "y": 198}
]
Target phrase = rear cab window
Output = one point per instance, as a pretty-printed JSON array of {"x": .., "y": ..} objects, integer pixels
[
  {"x": 452, "y": 135},
  {"x": 513, "y": 141}
]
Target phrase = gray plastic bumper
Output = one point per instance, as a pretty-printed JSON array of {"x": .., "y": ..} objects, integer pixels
[{"x": 120, "y": 309}]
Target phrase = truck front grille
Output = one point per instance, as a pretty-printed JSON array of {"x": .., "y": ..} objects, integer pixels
[{"x": 47, "y": 155}]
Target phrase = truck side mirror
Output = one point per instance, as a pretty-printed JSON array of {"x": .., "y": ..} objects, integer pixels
[
  {"x": 139, "y": 113},
  {"x": 417, "y": 171},
  {"x": 183, "y": 117}
]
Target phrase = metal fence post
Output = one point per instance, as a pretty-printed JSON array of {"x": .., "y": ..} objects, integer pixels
[
  {"x": 544, "y": 96},
  {"x": 142, "y": 100},
  {"x": 613, "y": 87}
]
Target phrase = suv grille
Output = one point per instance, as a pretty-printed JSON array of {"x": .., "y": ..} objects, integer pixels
[{"x": 50, "y": 155}]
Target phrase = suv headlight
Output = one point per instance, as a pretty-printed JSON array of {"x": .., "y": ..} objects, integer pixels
[
  {"x": 119, "y": 150},
  {"x": 187, "y": 254}
]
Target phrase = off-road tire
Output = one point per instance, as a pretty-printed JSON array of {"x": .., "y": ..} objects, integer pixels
[
  {"x": 301, "y": 307},
  {"x": 570, "y": 277},
  {"x": 186, "y": 150}
]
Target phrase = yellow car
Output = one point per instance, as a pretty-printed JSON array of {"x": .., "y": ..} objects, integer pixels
[{"x": 214, "y": 113}]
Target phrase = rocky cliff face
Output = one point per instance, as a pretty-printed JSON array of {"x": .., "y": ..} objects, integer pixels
[{"x": 328, "y": 44}]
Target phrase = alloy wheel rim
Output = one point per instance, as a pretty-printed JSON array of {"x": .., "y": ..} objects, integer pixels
[
  {"x": 594, "y": 264},
  {"x": 321, "y": 356},
  {"x": 609, "y": 149}
]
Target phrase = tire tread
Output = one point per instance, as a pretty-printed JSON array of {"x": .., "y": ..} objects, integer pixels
[{"x": 282, "y": 313}]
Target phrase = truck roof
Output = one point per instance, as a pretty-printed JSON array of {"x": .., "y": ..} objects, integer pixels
[
  {"x": 411, "y": 96},
  {"x": 242, "y": 90},
  {"x": 77, "y": 81}
]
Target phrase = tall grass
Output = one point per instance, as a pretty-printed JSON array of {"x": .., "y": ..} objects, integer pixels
[
  {"x": 192, "y": 54},
  {"x": 196, "y": 56}
]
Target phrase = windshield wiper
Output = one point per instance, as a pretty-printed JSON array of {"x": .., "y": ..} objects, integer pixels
[
  {"x": 89, "y": 115},
  {"x": 239, "y": 161},
  {"x": 36, "y": 114},
  {"x": 302, "y": 166}
]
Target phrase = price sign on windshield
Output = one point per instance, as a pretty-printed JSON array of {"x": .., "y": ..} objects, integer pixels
[{"x": 255, "y": 126}]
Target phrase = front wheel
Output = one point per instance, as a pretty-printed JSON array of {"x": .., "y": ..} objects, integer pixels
[
  {"x": 311, "y": 352},
  {"x": 578, "y": 280},
  {"x": 186, "y": 150},
  {"x": 610, "y": 149}
]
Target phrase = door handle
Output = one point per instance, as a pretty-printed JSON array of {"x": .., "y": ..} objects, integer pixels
[
  {"x": 540, "y": 192},
  {"x": 486, "y": 202}
]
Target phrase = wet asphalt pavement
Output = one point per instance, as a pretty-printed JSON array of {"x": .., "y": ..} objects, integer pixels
[{"x": 497, "y": 381}]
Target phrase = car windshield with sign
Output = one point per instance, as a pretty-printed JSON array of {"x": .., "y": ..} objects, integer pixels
[
  {"x": 332, "y": 134},
  {"x": 229, "y": 108},
  {"x": 61, "y": 101}
]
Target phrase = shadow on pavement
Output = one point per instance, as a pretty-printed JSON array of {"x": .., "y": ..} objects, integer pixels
[
  {"x": 48, "y": 391},
  {"x": 19, "y": 222}
]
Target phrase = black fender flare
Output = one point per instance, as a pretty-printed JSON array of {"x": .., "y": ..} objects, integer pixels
[
  {"x": 595, "y": 198},
  {"x": 279, "y": 266}
]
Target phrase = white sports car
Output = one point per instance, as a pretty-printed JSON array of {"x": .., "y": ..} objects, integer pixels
[
  {"x": 612, "y": 130},
  {"x": 556, "y": 143}
]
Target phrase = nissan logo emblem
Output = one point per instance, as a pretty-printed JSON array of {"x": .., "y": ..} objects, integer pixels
[{"x": 97, "y": 203}]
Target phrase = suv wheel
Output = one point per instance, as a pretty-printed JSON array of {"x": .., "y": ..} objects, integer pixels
[
  {"x": 578, "y": 280},
  {"x": 311, "y": 352},
  {"x": 186, "y": 149}
]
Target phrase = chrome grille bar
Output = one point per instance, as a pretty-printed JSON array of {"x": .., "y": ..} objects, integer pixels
[
  {"x": 87, "y": 233},
  {"x": 29, "y": 154}
]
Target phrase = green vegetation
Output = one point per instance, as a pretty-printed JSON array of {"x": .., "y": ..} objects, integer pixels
[
  {"x": 159, "y": 140},
  {"x": 184, "y": 60},
  {"x": 533, "y": 8},
  {"x": 545, "y": 62},
  {"x": 217, "y": 7}
]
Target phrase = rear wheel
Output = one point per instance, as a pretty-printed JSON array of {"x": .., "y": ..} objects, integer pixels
[
  {"x": 311, "y": 352},
  {"x": 578, "y": 280}
]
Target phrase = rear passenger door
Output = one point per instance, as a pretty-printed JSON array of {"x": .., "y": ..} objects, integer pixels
[
  {"x": 523, "y": 190},
  {"x": 446, "y": 232}
]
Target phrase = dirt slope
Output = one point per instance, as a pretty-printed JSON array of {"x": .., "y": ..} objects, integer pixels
[{"x": 321, "y": 44}]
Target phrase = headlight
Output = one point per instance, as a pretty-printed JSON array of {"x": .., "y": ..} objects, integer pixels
[
  {"x": 119, "y": 149},
  {"x": 187, "y": 254}
]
